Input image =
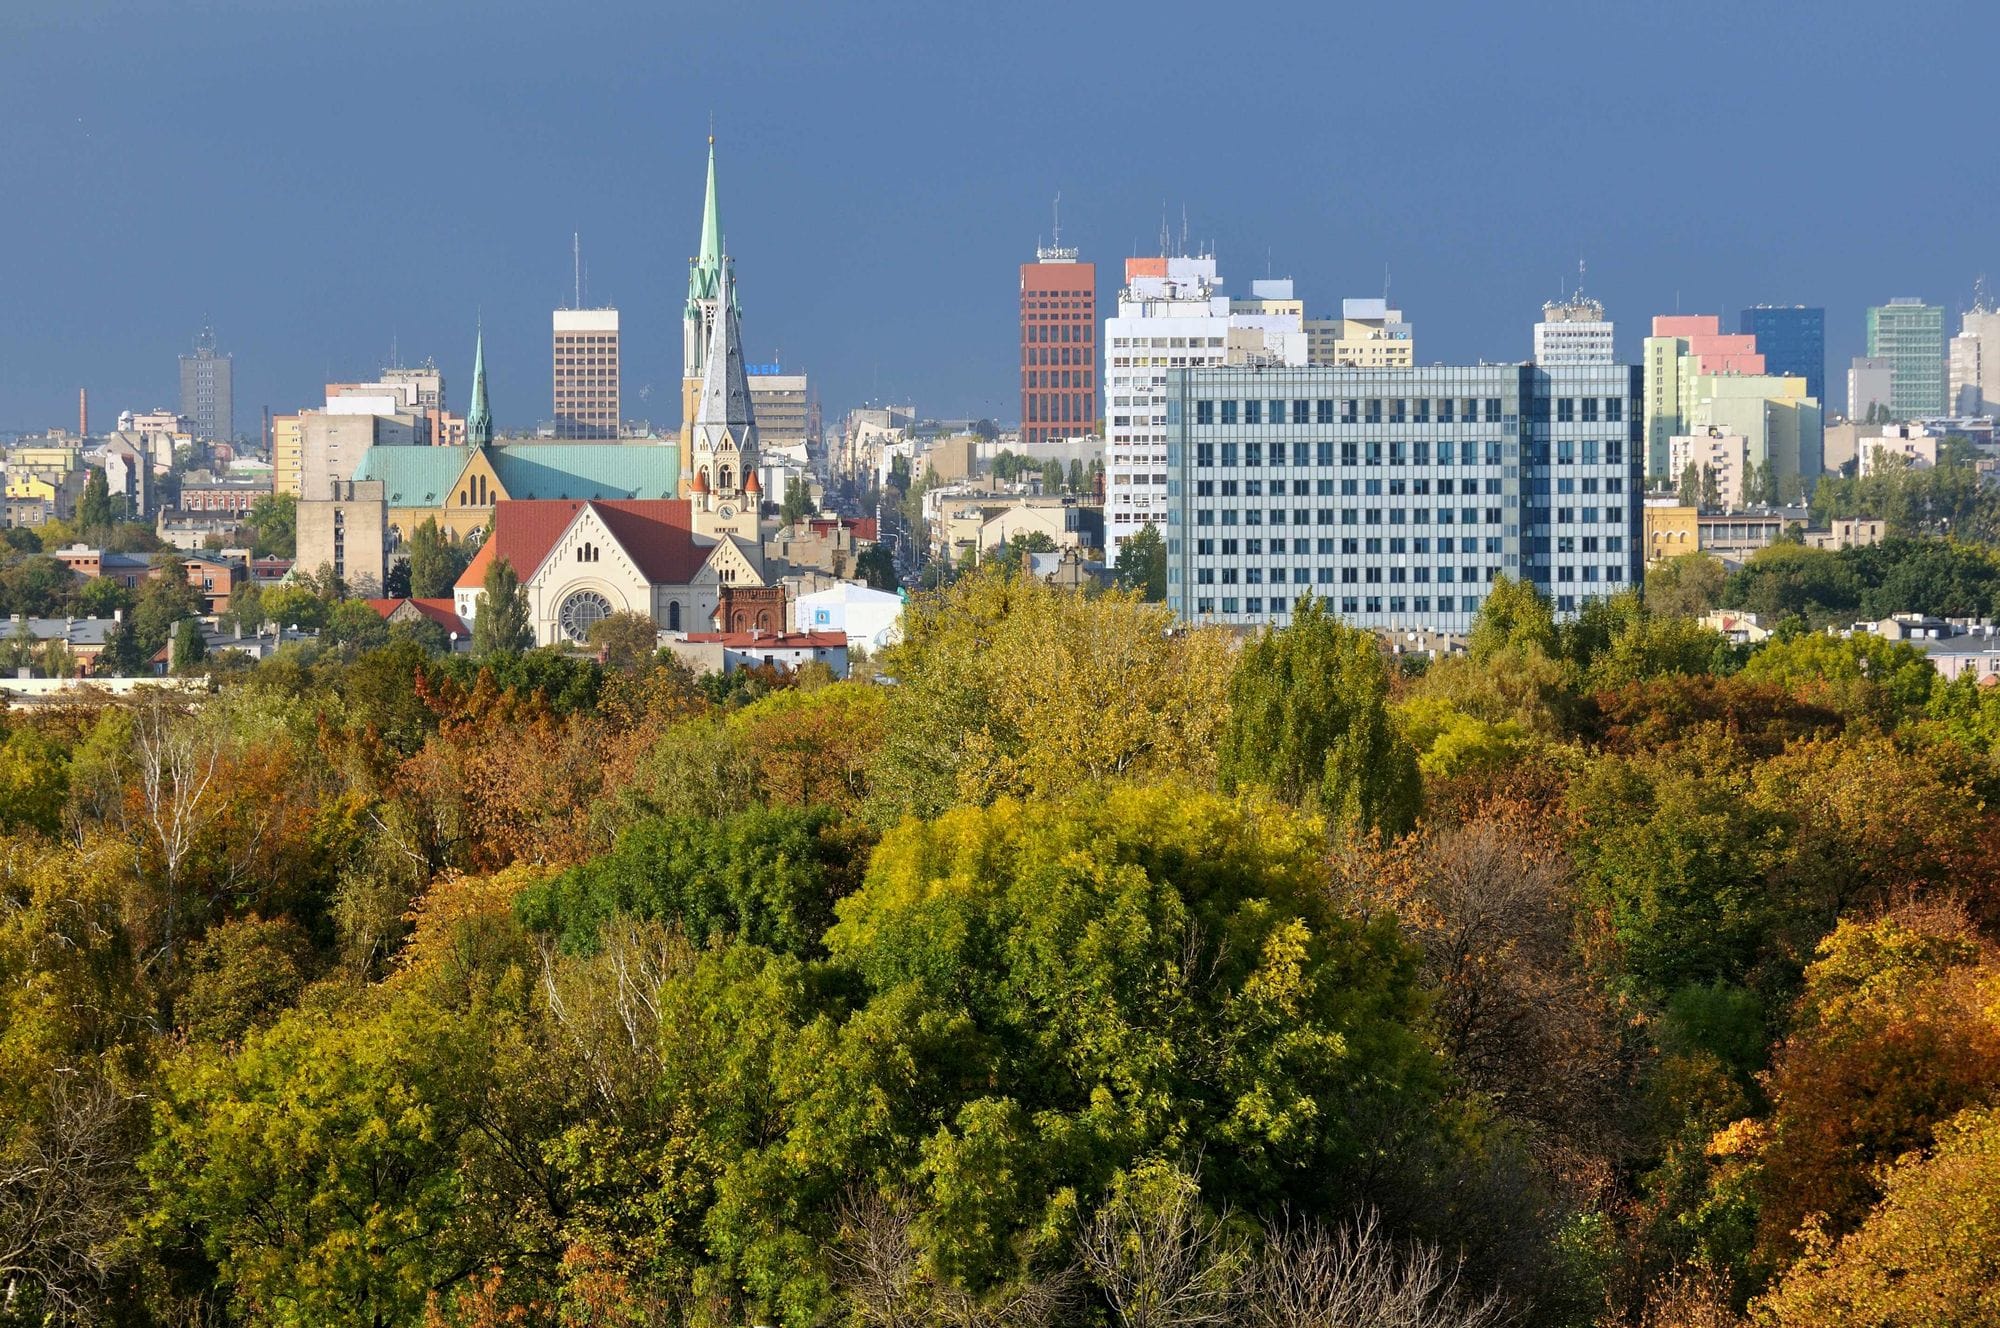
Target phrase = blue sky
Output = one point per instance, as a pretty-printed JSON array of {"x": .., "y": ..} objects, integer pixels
[{"x": 322, "y": 178}]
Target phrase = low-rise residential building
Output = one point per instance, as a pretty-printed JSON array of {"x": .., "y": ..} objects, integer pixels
[
  {"x": 1725, "y": 456},
  {"x": 827, "y": 543},
  {"x": 1849, "y": 532},
  {"x": 202, "y": 491},
  {"x": 1736, "y": 535},
  {"x": 213, "y": 575},
  {"x": 1907, "y": 445},
  {"x": 45, "y": 481},
  {"x": 188, "y": 531},
  {"x": 442, "y": 612},
  {"x": 1670, "y": 528},
  {"x": 870, "y": 619},
  {"x": 1742, "y": 629},
  {"x": 726, "y": 652}
]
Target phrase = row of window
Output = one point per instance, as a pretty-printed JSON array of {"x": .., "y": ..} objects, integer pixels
[
  {"x": 1352, "y": 410},
  {"x": 1324, "y": 487},
  {"x": 1057, "y": 377},
  {"x": 1396, "y": 516},
  {"x": 1349, "y": 546},
  {"x": 1166, "y": 343},
  {"x": 1057, "y": 355},
  {"x": 1350, "y": 605},
  {"x": 1347, "y": 576},
  {"x": 1398, "y": 453}
]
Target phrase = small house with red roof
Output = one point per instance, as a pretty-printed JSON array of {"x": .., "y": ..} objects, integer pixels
[
  {"x": 443, "y": 612},
  {"x": 581, "y": 561}
]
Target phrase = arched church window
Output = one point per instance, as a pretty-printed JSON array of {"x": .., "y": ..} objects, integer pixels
[
  {"x": 580, "y": 612},
  {"x": 728, "y": 476},
  {"x": 673, "y": 615}
]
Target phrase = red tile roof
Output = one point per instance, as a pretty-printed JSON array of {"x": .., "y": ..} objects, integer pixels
[
  {"x": 656, "y": 532},
  {"x": 771, "y": 640},
  {"x": 863, "y": 527},
  {"x": 443, "y": 612}
]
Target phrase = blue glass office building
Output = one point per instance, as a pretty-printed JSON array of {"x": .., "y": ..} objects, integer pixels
[
  {"x": 1792, "y": 340},
  {"x": 1397, "y": 495}
]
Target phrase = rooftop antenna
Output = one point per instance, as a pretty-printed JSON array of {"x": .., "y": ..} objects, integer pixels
[
  {"x": 1579, "y": 277},
  {"x": 1184, "y": 229},
  {"x": 1164, "y": 238},
  {"x": 1057, "y": 233},
  {"x": 1385, "y": 285},
  {"x": 576, "y": 264},
  {"x": 1981, "y": 301}
]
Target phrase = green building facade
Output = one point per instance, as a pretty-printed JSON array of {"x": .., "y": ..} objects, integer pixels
[{"x": 1910, "y": 335}]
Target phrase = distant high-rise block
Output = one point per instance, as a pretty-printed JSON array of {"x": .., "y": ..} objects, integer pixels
[
  {"x": 1792, "y": 340},
  {"x": 1058, "y": 346},
  {"x": 1869, "y": 383},
  {"x": 1910, "y": 335},
  {"x": 208, "y": 391},
  {"x": 1975, "y": 360},
  {"x": 586, "y": 373}
]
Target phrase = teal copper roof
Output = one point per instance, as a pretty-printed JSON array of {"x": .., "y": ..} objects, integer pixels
[{"x": 423, "y": 476}]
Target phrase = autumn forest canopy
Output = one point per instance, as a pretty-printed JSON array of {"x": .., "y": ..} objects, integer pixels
[{"x": 1097, "y": 971}]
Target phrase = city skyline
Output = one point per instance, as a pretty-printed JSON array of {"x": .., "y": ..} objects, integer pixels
[{"x": 883, "y": 246}]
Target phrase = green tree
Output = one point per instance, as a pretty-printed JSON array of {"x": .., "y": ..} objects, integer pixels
[
  {"x": 435, "y": 562},
  {"x": 767, "y": 875},
  {"x": 34, "y": 585},
  {"x": 34, "y": 782},
  {"x": 353, "y": 622},
  {"x": 1309, "y": 719},
  {"x": 1075, "y": 478},
  {"x": 876, "y": 566},
  {"x": 629, "y": 642},
  {"x": 1687, "y": 585},
  {"x": 1690, "y": 485},
  {"x": 1014, "y": 553},
  {"x": 94, "y": 510},
  {"x": 1862, "y": 671},
  {"x": 1513, "y": 617},
  {"x": 190, "y": 647},
  {"x": 1789, "y": 580},
  {"x": 501, "y": 626},
  {"x": 164, "y": 599},
  {"x": 1052, "y": 476},
  {"x": 293, "y": 604},
  {"x": 1711, "y": 490},
  {"x": 274, "y": 523},
  {"x": 1142, "y": 564},
  {"x": 121, "y": 656},
  {"x": 321, "y": 1167},
  {"x": 798, "y": 501},
  {"x": 1048, "y": 997}
]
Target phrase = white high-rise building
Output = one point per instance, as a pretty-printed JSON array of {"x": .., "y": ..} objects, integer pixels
[
  {"x": 1975, "y": 360},
  {"x": 1574, "y": 331},
  {"x": 1172, "y": 314}
]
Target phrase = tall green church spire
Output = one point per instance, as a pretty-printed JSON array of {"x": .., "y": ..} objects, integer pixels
[
  {"x": 479, "y": 419},
  {"x": 705, "y": 273}
]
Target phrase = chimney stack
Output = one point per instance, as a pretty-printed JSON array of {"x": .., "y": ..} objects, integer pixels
[{"x": 83, "y": 412}]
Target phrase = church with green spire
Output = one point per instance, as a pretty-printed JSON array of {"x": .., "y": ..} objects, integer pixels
[{"x": 459, "y": 487}]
